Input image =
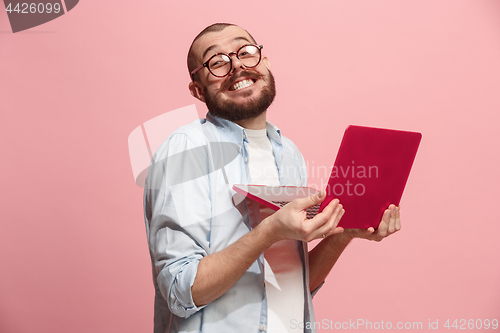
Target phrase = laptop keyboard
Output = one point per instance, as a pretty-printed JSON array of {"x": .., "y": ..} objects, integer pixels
[{"x": 310, "y": 212}]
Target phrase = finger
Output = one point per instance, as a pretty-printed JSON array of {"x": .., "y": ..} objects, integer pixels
[
  {"x": 310, "y": 201},
  {"x": 331, "y": 208},
  {"x": 398, "y": 219},
  {"x": 392, "y": 220},
  {"x": 330, "y": 227},
  {"x": 337, "y": 229},
  {"x": 361, "y": 233},
  {"x": 321, "y": 219},
  {"x": 384, "y": 224},
  {"x": 329, "y": 213},
  {"x": 334, "y": 220}
]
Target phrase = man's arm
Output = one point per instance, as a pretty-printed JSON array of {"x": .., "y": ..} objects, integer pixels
[
  {"x": 218, "y": 272},
  {"x": 324, "y": 256}
]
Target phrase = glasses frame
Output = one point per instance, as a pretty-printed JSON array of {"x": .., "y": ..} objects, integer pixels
[{"x": 205, "y": 64}]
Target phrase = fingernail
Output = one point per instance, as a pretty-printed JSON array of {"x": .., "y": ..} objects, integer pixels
[{"x": 321, "y": 194}]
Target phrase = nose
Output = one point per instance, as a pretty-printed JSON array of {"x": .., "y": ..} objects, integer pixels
[{"x": 235, "y": 61}]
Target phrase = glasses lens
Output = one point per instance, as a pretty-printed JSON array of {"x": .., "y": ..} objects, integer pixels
[
  {"x": 249, "y": 55},
  {"x": 219, "y": 65}
]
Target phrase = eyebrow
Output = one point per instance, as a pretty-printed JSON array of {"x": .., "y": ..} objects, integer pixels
[{"x": 211, "y": 47}]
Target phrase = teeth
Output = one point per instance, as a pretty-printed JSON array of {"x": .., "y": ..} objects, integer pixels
[{"x": 242, "y": 84}]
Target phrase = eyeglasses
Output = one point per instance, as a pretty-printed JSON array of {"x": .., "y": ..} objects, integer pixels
[{"x": 220, "y": 64}]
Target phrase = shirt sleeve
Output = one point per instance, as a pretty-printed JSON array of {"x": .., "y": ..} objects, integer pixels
[{"x": 177, "y": 212}]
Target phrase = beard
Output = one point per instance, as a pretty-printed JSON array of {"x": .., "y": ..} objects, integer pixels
[{"x": 253, "y": 107}]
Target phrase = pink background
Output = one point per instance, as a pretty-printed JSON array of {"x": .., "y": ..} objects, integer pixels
[{"x": 73, "y": 249}]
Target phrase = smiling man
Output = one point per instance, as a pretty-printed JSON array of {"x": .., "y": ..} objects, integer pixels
[
  {"x": 220, "y": 263},
  {"x": 245, "y": 94}
]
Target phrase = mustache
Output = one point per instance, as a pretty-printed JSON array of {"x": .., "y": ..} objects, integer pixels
[{"x": 236, "y": 77}]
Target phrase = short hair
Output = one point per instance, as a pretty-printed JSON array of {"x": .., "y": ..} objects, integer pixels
[{"x": 216, "y": 27}]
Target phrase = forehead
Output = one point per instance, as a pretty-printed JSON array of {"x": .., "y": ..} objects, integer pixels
[{"x": 220, "y": 41}]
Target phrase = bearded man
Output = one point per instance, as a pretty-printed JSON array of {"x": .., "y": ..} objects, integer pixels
[{"x": 221, "y": 263}]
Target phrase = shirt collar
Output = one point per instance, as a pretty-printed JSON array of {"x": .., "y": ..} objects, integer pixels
[{"x": 234, "y": 133}]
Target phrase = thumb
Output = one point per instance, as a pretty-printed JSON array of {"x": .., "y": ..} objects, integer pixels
[{"x": 312, "y": 200}]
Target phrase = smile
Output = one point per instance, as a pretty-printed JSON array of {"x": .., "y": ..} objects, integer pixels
[{"x": 241, "y": 84}]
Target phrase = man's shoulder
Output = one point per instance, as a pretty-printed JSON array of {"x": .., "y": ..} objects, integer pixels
[
  {"x": 289, "y": 145},
  {"x": 193, "y": 130},
  {"x": 274, "y": 133},
  {"x": 185, "y": 137},
  {"x": 286, "y": 141}
]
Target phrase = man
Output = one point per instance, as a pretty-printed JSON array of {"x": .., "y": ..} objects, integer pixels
[{"x": 220, "y": 263}]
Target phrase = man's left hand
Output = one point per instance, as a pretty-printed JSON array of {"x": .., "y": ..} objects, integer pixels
[{"x": 389, "y": 224}]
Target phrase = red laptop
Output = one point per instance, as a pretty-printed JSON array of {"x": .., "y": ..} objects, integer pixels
[{"x": 370, "y": 173}]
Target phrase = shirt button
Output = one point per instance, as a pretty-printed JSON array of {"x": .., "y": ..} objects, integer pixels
[
  {"x": 261, "y": 327},
  {"x": 246, "y": 159}
]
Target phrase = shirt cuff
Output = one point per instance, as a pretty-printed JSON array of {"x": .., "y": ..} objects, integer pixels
[{"x": 178, "y": 293}]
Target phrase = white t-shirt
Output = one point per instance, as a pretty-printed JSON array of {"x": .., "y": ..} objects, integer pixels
[{"x": 283, "y": 266}]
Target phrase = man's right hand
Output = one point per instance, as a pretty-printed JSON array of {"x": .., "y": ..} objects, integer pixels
[
  {"x": 219, "y": 271},
  {"x": 290, "y": 222}
]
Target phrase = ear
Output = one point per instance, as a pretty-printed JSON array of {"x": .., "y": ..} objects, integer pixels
[
  {"x": 197, "y": 91},
  {"x": 267, "y": 63}
]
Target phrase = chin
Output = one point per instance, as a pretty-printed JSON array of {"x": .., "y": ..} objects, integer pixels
[{"x": 253, "y": 107}]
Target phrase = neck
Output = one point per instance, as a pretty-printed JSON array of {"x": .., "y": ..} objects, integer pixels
[{"x": 256, "y": 123}]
